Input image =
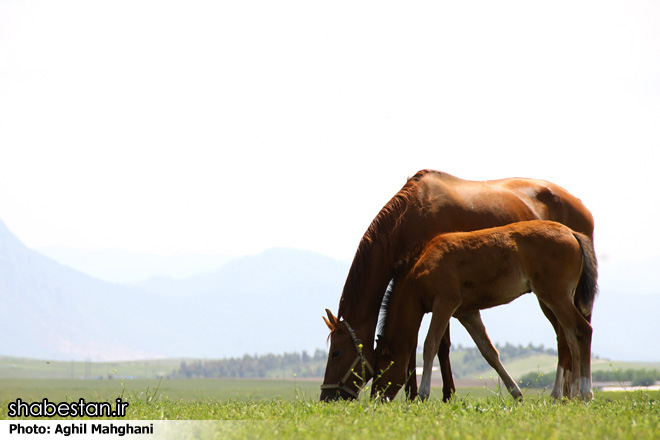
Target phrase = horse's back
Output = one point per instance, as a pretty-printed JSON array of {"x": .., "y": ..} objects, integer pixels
[
  {"x": 554, "y": 203},
  {"x": 479, "y": 204}
]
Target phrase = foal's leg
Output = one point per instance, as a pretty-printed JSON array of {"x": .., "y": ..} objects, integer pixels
[
  {"x": 448, "y": 387},
  {"x": 437, "y": 328},
  {"x": 475, "y": 326}
]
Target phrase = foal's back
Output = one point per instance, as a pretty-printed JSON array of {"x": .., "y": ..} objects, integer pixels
[{"x": 494, "y": 266}]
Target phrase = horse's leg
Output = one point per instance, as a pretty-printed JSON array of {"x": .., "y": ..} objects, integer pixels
[
  {"x": 475, "y": 326},
  {"x": 411, "y": 384},
  {"x": 448, "y": 387},
  {"x": 569, "y": 375},
  {"x": 578, "y": 333},
  {"x": 563, "y": 376},
  {"x": 558, "y": 387},
  {"x": 437, "y": 328}
]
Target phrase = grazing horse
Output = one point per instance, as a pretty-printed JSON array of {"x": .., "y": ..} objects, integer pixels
[
  {"x": 432, "y": 203},
  {"x": 460, "y": 273}
]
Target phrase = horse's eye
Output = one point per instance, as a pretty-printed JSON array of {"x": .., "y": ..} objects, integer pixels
[{"x": 335, "y": 354}]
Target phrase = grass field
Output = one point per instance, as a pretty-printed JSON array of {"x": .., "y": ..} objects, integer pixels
[
  {"x": 181, "y": 390},
  {"x": 22, "y": 368},
  {"x": 259, "y": 408},
  {"x": 289, "y": 409}
]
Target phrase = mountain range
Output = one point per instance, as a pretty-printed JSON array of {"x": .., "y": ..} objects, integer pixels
[
  {"x": 266, "y": 303},
  {"x": 270, "y": 302},
  {"x": 125, "y": 267}
]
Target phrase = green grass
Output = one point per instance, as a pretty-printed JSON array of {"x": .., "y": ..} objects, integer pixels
[
  {"x": 288, "y": 409},
  {"x": 171, "y": 389},
  {"x": 185, "y": 390},
  {"x": 256, "y": 408}
]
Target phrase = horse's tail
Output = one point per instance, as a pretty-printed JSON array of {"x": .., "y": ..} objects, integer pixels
[{"x": 587, "y": 286}]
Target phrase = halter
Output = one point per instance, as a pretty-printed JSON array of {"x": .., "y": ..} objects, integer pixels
[{"x": 340, "y": 386}]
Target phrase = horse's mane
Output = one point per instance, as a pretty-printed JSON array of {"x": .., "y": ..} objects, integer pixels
[
  {"x": 385, "y": 308},
  {"x": 382, "y": 231}
]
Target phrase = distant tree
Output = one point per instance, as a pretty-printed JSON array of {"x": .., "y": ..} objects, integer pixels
[
  {"x": 641, "y": 377},
  {"x": 536, "y": 380},
  {"x": 269, "y": 365},
  {"x": 645, "y": 378}
]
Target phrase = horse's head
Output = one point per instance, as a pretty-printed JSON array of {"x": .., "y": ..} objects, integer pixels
[
  {"x": 348, "y": 368},
  {"x": 383, "y": 358}
]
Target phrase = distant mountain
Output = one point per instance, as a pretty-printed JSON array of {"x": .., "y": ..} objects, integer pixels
[
  {"x": 271, "y": 302},
  {"x": 52, "y": 311},
  {"x": 256, "y": 273},
  {"x": 119, "y": 266},
  {"x": 266, "y": 303}
]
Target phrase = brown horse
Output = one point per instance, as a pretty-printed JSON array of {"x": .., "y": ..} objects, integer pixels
[
  {"x": 461, "y": 273},
  {"x": 431, "y": 203}
]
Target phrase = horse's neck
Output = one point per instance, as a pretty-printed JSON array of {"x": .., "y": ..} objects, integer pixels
[{"x": 365, "y": 287}]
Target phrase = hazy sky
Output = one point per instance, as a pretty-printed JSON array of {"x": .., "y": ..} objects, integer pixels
[{"x": 232, "y": 127}]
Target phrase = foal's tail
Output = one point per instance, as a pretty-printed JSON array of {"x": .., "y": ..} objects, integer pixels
[{"x": 587, "y": 287}]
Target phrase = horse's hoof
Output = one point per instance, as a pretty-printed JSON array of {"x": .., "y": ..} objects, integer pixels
[{"x": 516, "y": 394}]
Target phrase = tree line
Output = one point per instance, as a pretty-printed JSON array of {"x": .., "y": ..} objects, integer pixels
[
  {"x": 469, "y": 361},
  {"x": 285, "y": 365},
  {"x": 630, "y": 377},
  {"x": 465, "y": 362},
  {"x": 642, "y": 377}
]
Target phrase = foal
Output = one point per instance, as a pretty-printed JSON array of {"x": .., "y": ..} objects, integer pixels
[{"x": 458, "y": 274}]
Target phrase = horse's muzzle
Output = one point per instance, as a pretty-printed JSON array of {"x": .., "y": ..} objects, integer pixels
[{"x": 335, "y": 395}]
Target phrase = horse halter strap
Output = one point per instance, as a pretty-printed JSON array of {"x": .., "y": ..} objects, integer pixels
[{"x": 340, "y": 386}]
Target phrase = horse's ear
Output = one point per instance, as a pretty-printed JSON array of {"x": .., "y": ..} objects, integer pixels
[
  {"x": 330, "y": 326},
  {"x": 333, "y": 319}
]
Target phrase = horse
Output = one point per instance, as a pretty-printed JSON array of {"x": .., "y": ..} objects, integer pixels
[
  {"x": 460, "y": 273},
  {"x": 432, "y": 202}
]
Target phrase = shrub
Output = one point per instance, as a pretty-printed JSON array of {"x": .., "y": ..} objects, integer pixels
[{"x": 536, "y": 380}]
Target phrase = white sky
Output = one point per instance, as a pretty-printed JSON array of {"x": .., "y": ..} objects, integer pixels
[{"x": 232, "y": 127}]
